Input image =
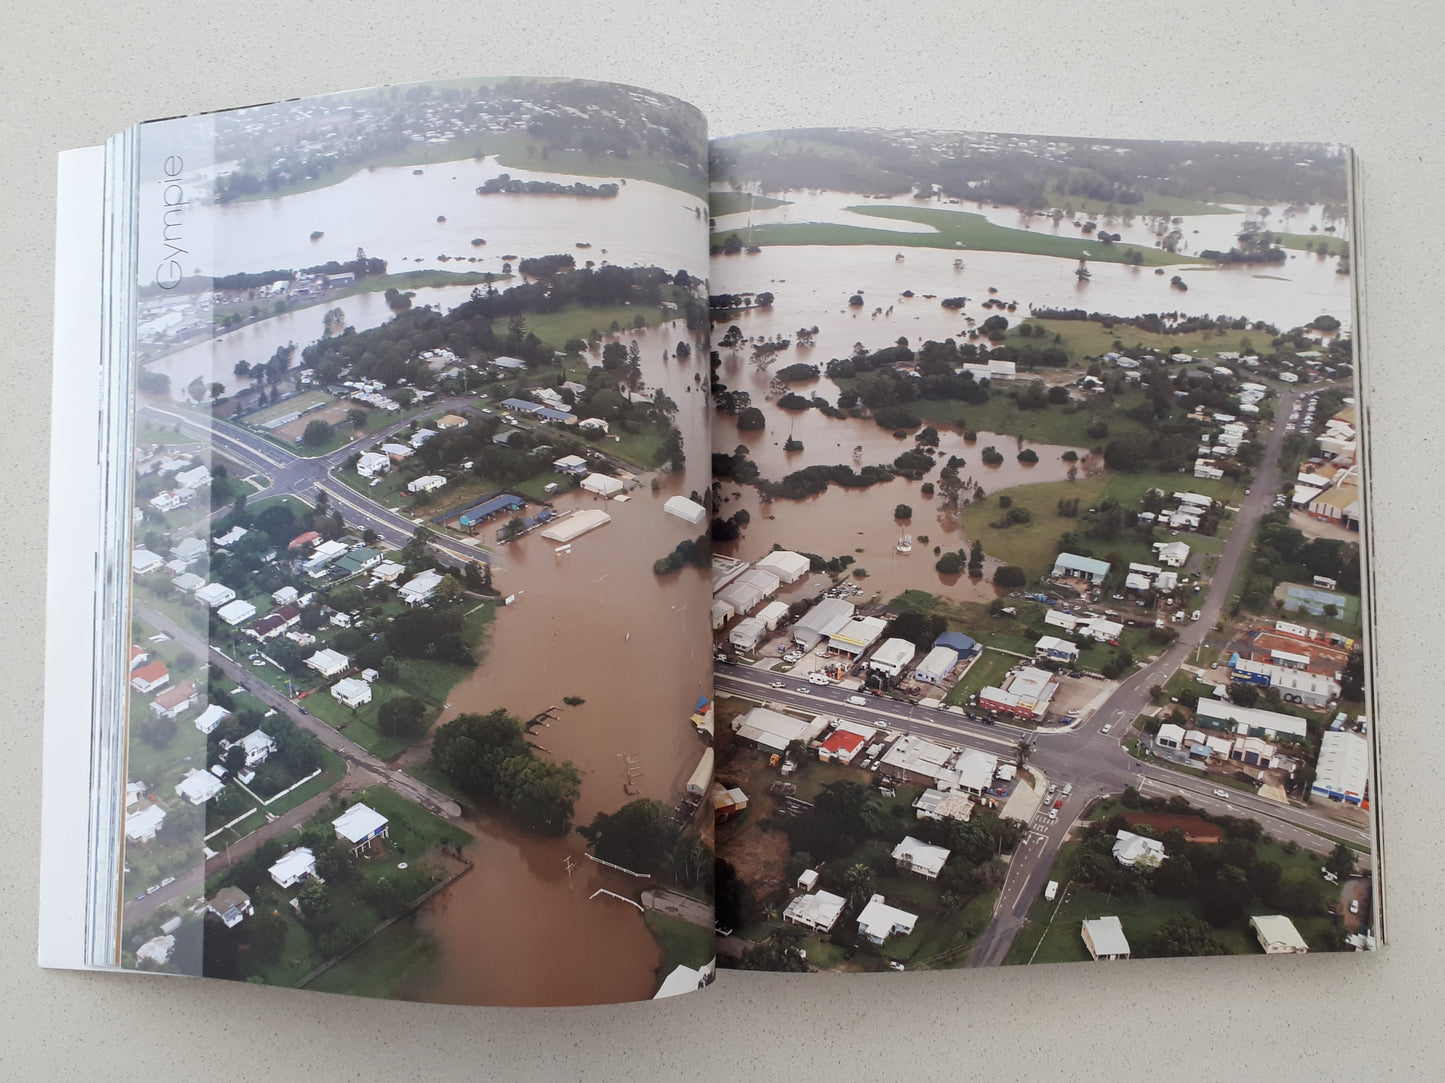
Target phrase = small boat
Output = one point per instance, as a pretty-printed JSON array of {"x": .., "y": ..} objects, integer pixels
[{"x": 905, "y": 544}]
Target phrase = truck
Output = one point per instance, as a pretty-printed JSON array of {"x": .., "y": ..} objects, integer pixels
[{"x": 1051, "y": 891}]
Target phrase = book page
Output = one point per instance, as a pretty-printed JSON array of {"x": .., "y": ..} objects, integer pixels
[
  {"x": 1038, "y": 477},
  {"x": 419, "y": 684}
]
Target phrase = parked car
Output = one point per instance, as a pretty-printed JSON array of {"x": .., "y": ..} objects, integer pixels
[{"x": 1107, "y": 727}]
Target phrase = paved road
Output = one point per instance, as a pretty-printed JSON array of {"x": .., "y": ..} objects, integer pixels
[
  {"x": 349, "y": 750},
  {"x": 303, "y": 477},
  {"x": 1095, "y": 762}
]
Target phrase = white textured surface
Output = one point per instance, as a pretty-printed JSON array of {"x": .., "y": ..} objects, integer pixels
[{"x": 75, "y": 72}]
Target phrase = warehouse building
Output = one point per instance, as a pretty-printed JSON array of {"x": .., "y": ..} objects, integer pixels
[{"x": 822, "y": 621}]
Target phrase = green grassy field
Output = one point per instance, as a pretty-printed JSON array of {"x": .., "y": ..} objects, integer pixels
[
  {"x": 1152, "y": 203},
  {"x": 986, "y": 672},
  {"x": 1033, "y": 545},
  {"x": 682, "y": 943},
  {"x": 721, "y": 203},
  {"x": 955, "y": 230},
  {"x": 1331, "y": 246}
]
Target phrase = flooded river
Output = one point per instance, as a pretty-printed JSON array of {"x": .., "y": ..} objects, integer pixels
[{"x": 519, "y": 931}]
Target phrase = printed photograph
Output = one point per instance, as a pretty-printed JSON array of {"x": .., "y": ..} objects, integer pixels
[
  {"x": 420, "y": 692},
  {"x": 1037, "y": 518}
]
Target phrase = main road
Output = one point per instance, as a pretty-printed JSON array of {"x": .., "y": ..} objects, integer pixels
[{"x": 303, "y": 476}]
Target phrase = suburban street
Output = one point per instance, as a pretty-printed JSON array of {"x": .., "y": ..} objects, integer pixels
[{"x": 302, "y": 477}]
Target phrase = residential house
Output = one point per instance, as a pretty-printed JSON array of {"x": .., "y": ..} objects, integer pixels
[
  {"x": 173, "y": 701},
  {"x": 1277, "y": 935},
  {"x": 231, "y": 905},
  {"x": 1131, "y": 849},
  {"x": 142, "y": 825},
  {"x": 328, "y": 663},
  {"x": 818, "y": 911},
  {"x": 878, "y": 921},
  {"x": 149, "y": 678},
  {"x": 237, "y": 612},
  {"x": 1105, "y": 939},
  {"x": 293, "y": 867},
  {"x": 198, "y": 786},
  {"x": 359, "y": 825},
  {"x": 211, "y": 717},
  {"x": 351, "y": 692},
  {"x": 915, "y": 855}
]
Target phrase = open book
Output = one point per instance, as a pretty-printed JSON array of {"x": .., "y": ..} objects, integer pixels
[{"x": 507, "y": 549}]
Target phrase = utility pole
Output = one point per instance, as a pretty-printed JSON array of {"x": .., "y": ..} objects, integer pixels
[{"x": 569, "y": 863}]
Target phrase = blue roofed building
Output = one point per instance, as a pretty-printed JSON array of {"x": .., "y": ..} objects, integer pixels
[
  {"x": 1073, "y": 566},
  {"x": 957, "y": 642},
  {"x": 489, "y": 507}
]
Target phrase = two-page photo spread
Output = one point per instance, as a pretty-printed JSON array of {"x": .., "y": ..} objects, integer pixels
[{"x": 563, "y": 556}]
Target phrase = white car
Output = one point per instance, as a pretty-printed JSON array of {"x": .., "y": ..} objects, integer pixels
[
  {"x": 1107, "y": 727},
  {"x": 1221, "y": 793}
]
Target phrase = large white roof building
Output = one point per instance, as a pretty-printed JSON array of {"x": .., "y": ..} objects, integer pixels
[{"x": 1343, "y": 770}]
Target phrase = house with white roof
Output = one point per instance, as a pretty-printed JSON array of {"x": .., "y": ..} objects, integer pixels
[
  {"x": 215, "y": 595},
  {"x": 211, "y": 717},
  {"x": 878, "y": 921},
  {"x": 328, "y": 663},
  {"x": 818, "y": 911},
  {"x": 198, "y": 787},
  {"x": 571, "y": 465},
  {"x": 293, "y": 867},
  {"x": 143, "y": 561},
  {"x": 1277, "y": 935},
  {"x": 1105, "y": 939},
  {"x": 426, "y": 483},
  {"x": 359, "y": 825},
  {"x": 371, "y": 464},
  {"x": 351, "y": 692},
  {"x": 420, "y": 587},
  {"x": 174, "y": 701},
  {"x": 142, "y": 825},
  {"x": 231, "y": 537},
  {"x": 156, "y": 950},
  {"x": 1131, "y": 849},
  {"x": 237, "y": 612},
  {"x": 915, "y": 855}
]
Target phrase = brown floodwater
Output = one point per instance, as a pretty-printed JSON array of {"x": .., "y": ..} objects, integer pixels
[
  {"x": 516, "y": 931},
  {"x": 595, "y": 623}
]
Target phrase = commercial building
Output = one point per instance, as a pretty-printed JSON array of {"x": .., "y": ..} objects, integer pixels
[
  {"x": 937, "y": 664},
  {"x": 495, "y": 505},
  {"x": 1056, "y": 649},
  {"x": 747, "y": 634},
  {"x": 821, "y": 621},
  {"x": 891, "y": 657},
  {"x": 857, "y": 635},
  {"x": 1343, "y": 770},
  {"x": 1073, "y": 566},
  {"x": 689, "y": 511},
  {"x": 787, "y": 566},
  {"x": 1220, "y": 714},
  {"x": 773, "y": 730},
  {"x": 1027, "y": 694},
  {"x": 577, "y": 524},
  {"x": 1295, "y": 686},
  {"x": 603, "y": 485},
  {"x": 749, "y": 590}
]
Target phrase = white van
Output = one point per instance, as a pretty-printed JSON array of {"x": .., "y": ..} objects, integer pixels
[
  {"x": 1051, "y": 891},
  {"x": 857, "y": 701}
]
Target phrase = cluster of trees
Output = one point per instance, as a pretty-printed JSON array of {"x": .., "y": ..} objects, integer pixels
[
  {"x": 643, "y": 837},
  {"x": 737, "y": 466},
  {"x": 391, "y": 352},
  {"x": 814, "y": 479},
  {"x": 505, "y": 183},
  {"x": 731, "y": 528},
  {"x": 1224, "y": 879},
  {"x": 489, "y": 757},
  {"x": 547, "y": 266},
  {"x": 690, "y": 552},
  {"x": 1282, "y": 553}
]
